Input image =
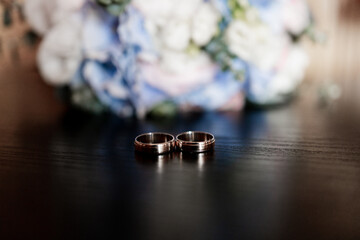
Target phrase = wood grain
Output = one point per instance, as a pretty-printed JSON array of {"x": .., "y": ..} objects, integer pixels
[{"x": 288, "y": 173}]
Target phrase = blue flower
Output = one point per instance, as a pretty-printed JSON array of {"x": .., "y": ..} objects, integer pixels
[
  {"x": 213, "y": 95},
  {"x": 261, "y": 87},
  {"x": 108, "y": 66},
  {"x": 132, "y": 32},
  {"x": 261, "y": 3},
  {"x": 223, "y": 7}
]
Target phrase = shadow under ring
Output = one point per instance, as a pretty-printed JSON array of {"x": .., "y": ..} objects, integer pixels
[
  {"x": 154, "y": 143},
  {"x": 195, "y": 141}
]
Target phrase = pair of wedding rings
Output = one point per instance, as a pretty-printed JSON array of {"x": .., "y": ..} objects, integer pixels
[{"x": 160, "y": 143}]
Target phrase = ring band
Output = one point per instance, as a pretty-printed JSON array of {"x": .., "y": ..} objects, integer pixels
[
  {"x": 194, "y": 141},
  {"x": 154, "y": 143}
]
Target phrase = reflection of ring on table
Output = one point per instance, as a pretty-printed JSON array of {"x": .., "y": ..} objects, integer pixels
[
  {"x": 194, "y": 141},
  {"x": 155, "y": 143}
]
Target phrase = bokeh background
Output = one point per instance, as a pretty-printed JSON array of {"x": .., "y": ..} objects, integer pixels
[
  {"x": 289, "y": 171},
  {"x": 334, "y": 62}
]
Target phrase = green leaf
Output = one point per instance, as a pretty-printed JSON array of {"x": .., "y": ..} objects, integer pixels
[{"x": 164, "y": 109}]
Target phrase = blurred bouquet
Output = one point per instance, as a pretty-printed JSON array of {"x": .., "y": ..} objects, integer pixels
[{"x": 161, "y": 56}]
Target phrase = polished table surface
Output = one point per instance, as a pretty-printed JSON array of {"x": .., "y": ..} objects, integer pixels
[{"x": 287, "y": 173}]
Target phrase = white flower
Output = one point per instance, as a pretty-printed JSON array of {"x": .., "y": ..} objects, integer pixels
[
  {"x": 60, "y": 52},
  {"x": 83, "y": 34},
  {"x": 273, "y": 87},
  {"x": 252, "y": 15},
  {"x": 177, "y": 62},
  {"x": 239, "y": 39},
  {"x": 286, "y": 15},
  {"x": 172, "y": 23},
  {"x": 295, "y": 15},
  {"x": 254, "y": 43},
  {"x": 178, "y": 72},
  {"x": 176, "y": 35},
  {"x": 186, "y": 9},
  {"x": 291, "y": 72},
  {"x": 160, "y": 11},
  {"x": 204, "y": 24},
  {"x": 36, "y": 13},
  {"x": 156, "y": 11},
  {"x": 43, "y": 14}
]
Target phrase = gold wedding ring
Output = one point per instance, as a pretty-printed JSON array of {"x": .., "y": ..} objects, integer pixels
[
  {"x": 195, "y": 141},
  {"x": 155, "y": 143}
]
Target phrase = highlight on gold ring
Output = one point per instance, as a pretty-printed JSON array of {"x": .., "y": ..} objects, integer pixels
[
  {"x": 195, "y": 141},
  {"x": 154, "y": 143}
]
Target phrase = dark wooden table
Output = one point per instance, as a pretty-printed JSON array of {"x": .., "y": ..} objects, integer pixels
[{"x": 288, "y": 173}]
